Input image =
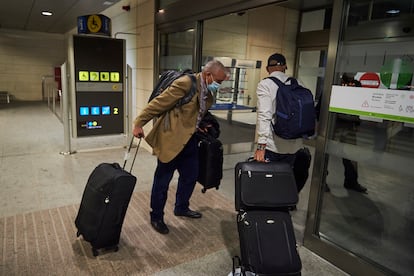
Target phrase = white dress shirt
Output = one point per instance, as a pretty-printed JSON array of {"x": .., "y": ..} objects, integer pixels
[{"x": 266, "y": 107}]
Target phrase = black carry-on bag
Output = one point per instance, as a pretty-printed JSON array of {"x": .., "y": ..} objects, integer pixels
[
  {"x": 104, "y": 204},
  {"x": 210, "y": 158},
  {"x": 264, "y": 194},
  {"x": 267, "y": 185},
  {"x": 267, "y": 243}
]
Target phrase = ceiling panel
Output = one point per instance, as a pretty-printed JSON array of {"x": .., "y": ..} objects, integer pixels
[{"x": 26, "y": 14}]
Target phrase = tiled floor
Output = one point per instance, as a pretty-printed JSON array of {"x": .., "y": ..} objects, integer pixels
[{"x": 34, "y": 176}]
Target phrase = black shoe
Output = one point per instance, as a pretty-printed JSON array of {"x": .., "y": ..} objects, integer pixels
[
  {"x": 189, "y": 214},
  {"x": 355, "y": 186},
  {"x": 160, "y": 226}
]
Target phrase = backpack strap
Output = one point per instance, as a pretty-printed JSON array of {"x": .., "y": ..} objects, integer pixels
[
  {"x": 293, "y": 82},
  {"x": 187, "y": 98},
  {"x": 277, "y": 81}
]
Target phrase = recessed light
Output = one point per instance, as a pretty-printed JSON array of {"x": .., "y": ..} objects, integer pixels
[
  {"x": 161, "y": 11},
  {"x": 47, "y": 13},
  {"x": 107, "y": 3},
  {"x": 393, "y": 11}
]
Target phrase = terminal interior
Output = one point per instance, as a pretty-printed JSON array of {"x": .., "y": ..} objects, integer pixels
[{"x": 337, "y": 229}]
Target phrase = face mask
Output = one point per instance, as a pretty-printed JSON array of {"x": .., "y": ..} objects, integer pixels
[{"x": 214, "y": 86}]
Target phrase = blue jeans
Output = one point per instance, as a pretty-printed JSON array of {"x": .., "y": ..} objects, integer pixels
[{"x": 186, "y": 163}]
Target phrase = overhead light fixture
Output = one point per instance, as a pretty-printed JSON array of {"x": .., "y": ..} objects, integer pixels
[
  {"x": 47, "y": 13},
  {"x": 393, "y": 11},
  {"x": 161, "y": 11},
  {"x": 107, "y": 3}
]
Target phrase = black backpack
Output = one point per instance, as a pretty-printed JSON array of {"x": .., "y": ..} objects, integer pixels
[
  {"x": 167, "y": 78},
  {"x": 295, "y": 110}
]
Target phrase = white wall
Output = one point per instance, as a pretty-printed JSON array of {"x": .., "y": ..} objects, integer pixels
[{"x": 24, "y": 58}]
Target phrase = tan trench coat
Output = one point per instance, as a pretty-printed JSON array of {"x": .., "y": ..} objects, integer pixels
[{"x": 165, "y": 141}]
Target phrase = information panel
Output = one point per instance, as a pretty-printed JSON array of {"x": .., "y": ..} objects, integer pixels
[
  {"x": 388, "y": 104},
  {"x": 99, "y": 85}
]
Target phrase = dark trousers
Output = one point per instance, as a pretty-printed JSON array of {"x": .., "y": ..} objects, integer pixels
[
  {"x": 186, "y": 163},
  {"x": 351, "y": 173},
  {"x": 299, "y": 161}
]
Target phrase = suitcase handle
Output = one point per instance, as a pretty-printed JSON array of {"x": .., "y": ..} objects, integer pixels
[{"x": 128, "y": 151}]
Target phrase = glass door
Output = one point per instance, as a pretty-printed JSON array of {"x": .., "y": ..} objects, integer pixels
[
  {"x": 364, "y": 194},
  {"x": 176, "y": 50},
  {"x": 311, "y": 70}
]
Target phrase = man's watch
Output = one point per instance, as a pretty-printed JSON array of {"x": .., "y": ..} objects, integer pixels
[{"x": 261, "y": 146}]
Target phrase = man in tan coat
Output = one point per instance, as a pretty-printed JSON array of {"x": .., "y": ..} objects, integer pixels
[{"x": 173, "y": 139}]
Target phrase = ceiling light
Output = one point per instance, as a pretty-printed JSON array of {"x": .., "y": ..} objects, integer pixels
[
  {"x": 161, "y": 11},
  {"x": 393, "y": 11},
  {"x": 108, "y": 3},
  {"x": 47, "y": 13}
]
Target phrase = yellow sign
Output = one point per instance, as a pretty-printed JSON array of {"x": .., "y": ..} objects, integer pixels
[
  {"x": 104, "y": 76},
  {"x": 94, "y": 23},
  {"x": 83, "y": 75},
  {"x": 114, "y": 76},
  {"x": 94, "y": 76}
]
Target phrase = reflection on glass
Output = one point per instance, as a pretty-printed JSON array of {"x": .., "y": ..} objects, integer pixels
[
  {"x": 376, "y": 153},
  {"x": 176, "y": 51}
]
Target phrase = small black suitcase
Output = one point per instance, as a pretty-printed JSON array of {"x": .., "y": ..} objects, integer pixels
[
  {"x": 267, "y": 243},
  {"x": 260, "y": 185},
  {"x": 104, "y": 204},
  {"x": 210, "y": 153}
]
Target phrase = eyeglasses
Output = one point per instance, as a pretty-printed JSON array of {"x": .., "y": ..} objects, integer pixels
[{"x": 218, "y": 80}]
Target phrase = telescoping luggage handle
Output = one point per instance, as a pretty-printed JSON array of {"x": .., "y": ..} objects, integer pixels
[{"x": 128, "y": 151}]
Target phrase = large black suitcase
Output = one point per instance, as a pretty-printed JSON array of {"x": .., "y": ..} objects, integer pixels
[
  {"x": 210, "y": 153},
  {"x": 267, "y": 243},
  {"x": 104, "y": 204},
  {"x": 260, "y": 185}
]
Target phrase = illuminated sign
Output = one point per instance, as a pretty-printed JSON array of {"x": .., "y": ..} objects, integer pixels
[
  {"x": 106, "y": 110},
  {"x": 84, "y": 111},
  {"x": 99, "y": 85},
  {"x": 97, "y": 24}
]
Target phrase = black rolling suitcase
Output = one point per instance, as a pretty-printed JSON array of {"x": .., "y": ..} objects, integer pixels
[
  {"x": 210, "y": 153},
  {"x": 104, "y": 204},
  {"x": 268, "y": 185},
  {"x": 267, "y": 243},
  {"x": 264, "y": 194}
]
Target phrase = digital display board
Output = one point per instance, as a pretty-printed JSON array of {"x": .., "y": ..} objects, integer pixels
[{"x": 99, "y": 85}]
